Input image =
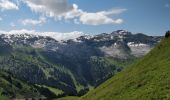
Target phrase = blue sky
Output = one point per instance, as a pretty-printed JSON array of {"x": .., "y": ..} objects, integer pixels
[{"x": 151, "y": 17}]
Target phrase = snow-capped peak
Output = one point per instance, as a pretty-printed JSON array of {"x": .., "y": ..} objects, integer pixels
[
  {"x": 120, "y": 32},
  {"x": 55, "y": 35}
]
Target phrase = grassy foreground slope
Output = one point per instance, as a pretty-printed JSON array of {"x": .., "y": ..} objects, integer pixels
[
  {"x": 148, "y": 79},
  {"x": 69, "y": 98}
]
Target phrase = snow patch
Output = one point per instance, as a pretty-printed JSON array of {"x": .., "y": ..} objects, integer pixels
[
  {"x": 132, "y": 44},
  {"x": 55, "y": 35}
]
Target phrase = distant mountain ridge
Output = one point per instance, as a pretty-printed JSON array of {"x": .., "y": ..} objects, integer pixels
[
  {"x": 138, "y": 44},
  {"x": 73, "y": 66}
]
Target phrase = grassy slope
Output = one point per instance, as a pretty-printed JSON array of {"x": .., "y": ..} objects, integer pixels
[
  {"x": 69, "y": 98},
  {"x": 145, "y": 80},
  {"x": 54, "y": 90}
]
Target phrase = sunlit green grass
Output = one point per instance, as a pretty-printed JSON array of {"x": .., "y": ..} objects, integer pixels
[
  {"x": 148, "y": 79},
  {"x": 69, "y": 98}
]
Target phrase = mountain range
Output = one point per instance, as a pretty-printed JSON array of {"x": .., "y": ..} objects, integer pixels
[{"x": 68, "y": 67}]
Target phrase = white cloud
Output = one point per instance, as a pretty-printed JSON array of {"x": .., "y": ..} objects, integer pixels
[
  {"x": 102, "y": 17},
  {"x": 98, "y": 19},
  {"x": 59, "y": 9},
  {"x": 40, "y": 21},
  {"x": 53, "y": 8},
  {"x": 22, "y": 31},
  {"x": 8, "y": 5},
  {"x": 55, "y": 35},
  {"x": 113, "y": 11}
]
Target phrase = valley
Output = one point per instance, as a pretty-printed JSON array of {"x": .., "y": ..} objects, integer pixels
[{"x": 71, "y": 67}]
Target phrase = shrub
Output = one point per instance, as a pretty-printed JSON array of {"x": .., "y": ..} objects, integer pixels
[{"x": 167, "y": 34}]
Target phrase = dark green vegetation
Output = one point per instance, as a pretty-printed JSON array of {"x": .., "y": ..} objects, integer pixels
[
  {"x": 25, "y": 64},
  {"x": 167, "y": 34},
  {"x": 148, "y": 79},
  {"x": 11, "y": 87},
  {"x": 45, "y": 77}
]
